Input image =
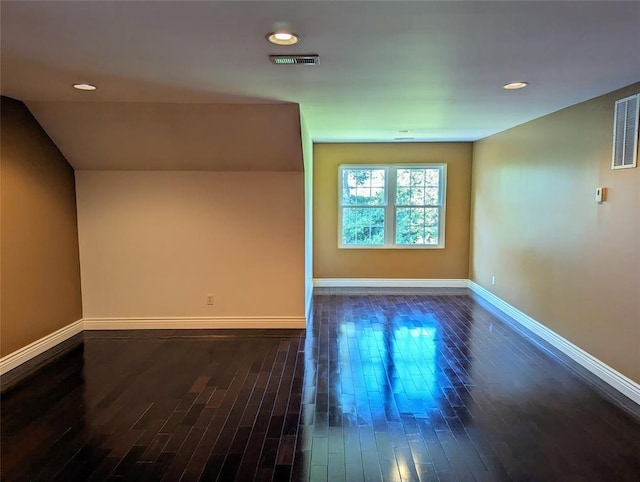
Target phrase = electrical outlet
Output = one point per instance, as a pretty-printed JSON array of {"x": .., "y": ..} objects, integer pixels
[
  {"x": 493, "y": 281},
  {"x": 210, "y": 299}
]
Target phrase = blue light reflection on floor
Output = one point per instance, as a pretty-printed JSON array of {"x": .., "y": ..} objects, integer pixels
[
  {"x": 394, "y": 366},
  {"x": 397, "y": 364},
  {"x": 386, "y": 386}
]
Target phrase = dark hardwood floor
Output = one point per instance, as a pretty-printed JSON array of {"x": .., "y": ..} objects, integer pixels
[{"x": 380, "y": 387}]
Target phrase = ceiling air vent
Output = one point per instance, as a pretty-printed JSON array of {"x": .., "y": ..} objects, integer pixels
[
  {"x": 625, "y": 132},
  {"x": 310, "y": 59}
]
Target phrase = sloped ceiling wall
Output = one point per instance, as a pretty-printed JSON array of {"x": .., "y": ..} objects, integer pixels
[{"x": 164, "y": 136}]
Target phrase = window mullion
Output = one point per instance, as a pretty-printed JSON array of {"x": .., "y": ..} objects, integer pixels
[{"x": 390, "y": 210}]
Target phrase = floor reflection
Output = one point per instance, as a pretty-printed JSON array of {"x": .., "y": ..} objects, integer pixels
[
  {"x": 392, "y": 378},
  {"x": 416, "y": 387},
  {"x": 402, "y": 363}
]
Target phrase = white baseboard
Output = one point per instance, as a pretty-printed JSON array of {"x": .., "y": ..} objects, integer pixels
[
  {"x": 617, "y": 380},
  {"x": 32, "y": 350},
  {"x": 389, "y": 283},
  {"x": 195, "y": 323},
  {"x": 23, "y": 355},
  {"x": 308, "y": 303}
]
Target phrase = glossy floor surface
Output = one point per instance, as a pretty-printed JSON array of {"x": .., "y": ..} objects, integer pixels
[{"x": 380, "y": 387}]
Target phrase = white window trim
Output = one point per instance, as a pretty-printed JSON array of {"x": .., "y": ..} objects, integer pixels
[{"x": 390, "y": 207}]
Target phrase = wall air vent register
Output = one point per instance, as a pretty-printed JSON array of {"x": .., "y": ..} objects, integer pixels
[{"x": 625, "y": 132}]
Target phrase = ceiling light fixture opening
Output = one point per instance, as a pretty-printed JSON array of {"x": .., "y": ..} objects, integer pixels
[
  {"x": 404, "y": 131},
  {"x": 515, "y": 85},
  {"x": 84, "y": 87},
  {"x": 282, "y": 38}
]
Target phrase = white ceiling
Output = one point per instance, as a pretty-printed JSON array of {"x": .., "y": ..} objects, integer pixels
[{"x": 436, "y": 68}]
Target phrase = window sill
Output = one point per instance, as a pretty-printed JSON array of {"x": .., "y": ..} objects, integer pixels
[{"x": 410, "y": 247}]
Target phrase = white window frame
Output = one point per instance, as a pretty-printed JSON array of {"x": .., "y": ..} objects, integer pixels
[{"x": 390, "y": 180}]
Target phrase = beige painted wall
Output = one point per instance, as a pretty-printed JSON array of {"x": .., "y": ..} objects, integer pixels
[
  {"x": 40, "y": 271},
  {"x": 564, "y": 260},
  {"x": 153, "y": 136},
  {"x": 154, "y": 244},
  {"x": 452, "y": 262}
]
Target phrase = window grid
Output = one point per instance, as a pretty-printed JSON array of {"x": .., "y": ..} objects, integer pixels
[
  {"x": 363, "y": 202},
  {"x": 420, "y": 187}
]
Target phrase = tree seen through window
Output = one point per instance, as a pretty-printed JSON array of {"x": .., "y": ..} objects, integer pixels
[{"x": 392, "y": 205}]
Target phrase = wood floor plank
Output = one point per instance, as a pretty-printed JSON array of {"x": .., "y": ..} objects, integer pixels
[{"x": 403, "y": 386}]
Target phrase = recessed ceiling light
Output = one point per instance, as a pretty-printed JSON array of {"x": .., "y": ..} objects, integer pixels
[
  {"x": 283, "y": 38},
  {"x": 404, "y": 131},
  {"x": 84, "y": 87},
  {"x": 515, "y": 85}
]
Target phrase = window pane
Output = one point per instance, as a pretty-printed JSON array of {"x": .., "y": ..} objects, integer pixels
[
  {"x": 377, "y": 235},
  {"x": 432, "y": 177},
  {"x": 358, "y": 177},
  {"x": 363, "y": 234},
  {"x": 431, "y": 196},
  {"x": 402, "y": 226},
  {"x": 363, "y": 226},
  {"x": 417, "y": 177},
  {"x": 417, "y": 186},
  {"x": 377, "y": 178},
  {"x": 363, "y": 187},
  {"x": 369, "y": 196},
  {"x": 403, "y": 178},
  {"x": 403, "y": 196},
  {"x": 349, "y": 235},
  {"x": 431, "y": 216},
  {"x": 417, "y": 216},
  {"x": 362, "y": 194},
  {"x": 417, "y": 196},
  {"x": 402, "y": 217},
  {"x": 377, "y": 194},
  {"x": 431, "y": 235},
  {"x": 417, "y": 226}
]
